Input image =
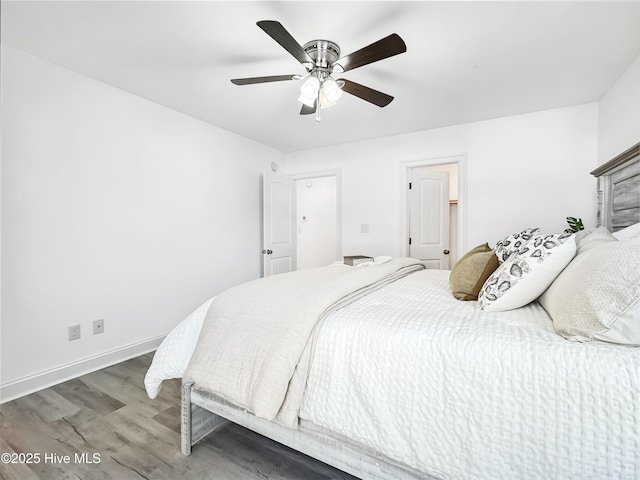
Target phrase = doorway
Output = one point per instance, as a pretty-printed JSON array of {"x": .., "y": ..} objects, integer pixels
[
  {"x": 434, "y": 213},
  {"x": 318, "y": 219}
]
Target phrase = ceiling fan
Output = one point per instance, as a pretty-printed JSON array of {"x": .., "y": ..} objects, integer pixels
[{"x": 321, "y": 59}]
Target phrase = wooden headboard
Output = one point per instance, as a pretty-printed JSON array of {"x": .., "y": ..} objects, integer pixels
[{"x": 619, "y": 190}]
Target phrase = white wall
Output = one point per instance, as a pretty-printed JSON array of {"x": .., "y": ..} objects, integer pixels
[
  {"x": 525, "y": 170},
  {"x": 113, "y": 207},
  {"x": 619, "y": 115},
  {"x": 316, "y": 222}
]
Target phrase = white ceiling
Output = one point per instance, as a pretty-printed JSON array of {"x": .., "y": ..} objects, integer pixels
[{"x": 465, "y": 61}]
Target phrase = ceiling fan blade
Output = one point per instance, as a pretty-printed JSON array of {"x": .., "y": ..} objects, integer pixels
[
  {"x": 307, "y": 110},
  {"x": 252, "y": 80},
  {"x": 280, "y": 34},
  {"x": 365, "y": 93},
  {"x": 384, "y": 48}
]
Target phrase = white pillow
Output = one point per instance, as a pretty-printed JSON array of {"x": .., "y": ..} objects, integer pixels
[
  {"x": 597, "y": 297},
  {"x": 527, "y": 273},
  {"x": 511, "y": 243},
  {"x": 632, "y": 231}
]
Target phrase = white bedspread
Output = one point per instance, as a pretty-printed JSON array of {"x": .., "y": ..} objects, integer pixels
[
  {"x": 464, "y": 394},
  {"x": 257, "y": 339},
  {"x": 460, "y": 393},
  {"x": 172, "y": 356}
]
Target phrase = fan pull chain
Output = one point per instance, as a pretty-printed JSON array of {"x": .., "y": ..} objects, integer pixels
[{"x": 318, "y": 119}]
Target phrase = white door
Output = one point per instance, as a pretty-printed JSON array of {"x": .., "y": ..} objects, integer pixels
[
  {"x": 429, "y": 217},
  {"x": 279, "y": 220}
]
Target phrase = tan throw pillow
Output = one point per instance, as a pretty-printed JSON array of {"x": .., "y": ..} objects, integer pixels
[
  {"x": 471, "y": 271},
  {"x": 597, "y": 297}
]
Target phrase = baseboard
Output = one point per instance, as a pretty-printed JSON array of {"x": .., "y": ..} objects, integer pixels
[{"x": 32, "y": 383}]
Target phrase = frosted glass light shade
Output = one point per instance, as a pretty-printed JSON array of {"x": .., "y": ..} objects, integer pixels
[
  {"x": 331, "y": 90},
  {"x": 310, "y": 87}
]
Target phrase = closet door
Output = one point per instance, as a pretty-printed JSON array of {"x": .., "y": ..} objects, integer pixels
[{"x": 429, "y": 217}]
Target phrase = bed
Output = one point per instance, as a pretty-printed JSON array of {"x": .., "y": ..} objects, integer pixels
[{"x": 380, "y": 371}]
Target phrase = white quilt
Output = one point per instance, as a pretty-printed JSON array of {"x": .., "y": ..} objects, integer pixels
[
  {"x": 460, "y": 393},
  {"x": 172, "y": 356},
  {"x": 256, "y": 342},
  {"x": 464, "y": 394}
]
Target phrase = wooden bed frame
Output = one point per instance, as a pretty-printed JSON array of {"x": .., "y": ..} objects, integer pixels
[
  {"x": 203, "y": 413},
  {"x": 618, "y": 187}
]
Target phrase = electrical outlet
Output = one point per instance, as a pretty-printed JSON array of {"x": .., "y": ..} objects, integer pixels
[
  {"x": 74, "y": 332},
  {"x": 98, "y": 326}
]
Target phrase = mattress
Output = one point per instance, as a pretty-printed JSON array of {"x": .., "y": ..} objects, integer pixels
[{"x": 457, "y": 392}]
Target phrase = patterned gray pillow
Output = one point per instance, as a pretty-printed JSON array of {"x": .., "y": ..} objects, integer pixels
[
  {"x": 505, "y": 247},
  {"x": 528, "y": 272}
]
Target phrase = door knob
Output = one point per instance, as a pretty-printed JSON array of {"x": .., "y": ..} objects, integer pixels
[
  {"x": 446, "y": 252},
  {"x": 269, "y": 252}
]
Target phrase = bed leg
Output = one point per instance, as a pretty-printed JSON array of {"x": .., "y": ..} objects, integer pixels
[
  {"x": 185, "y": 427},
  {"x": 197, "y": 422}
]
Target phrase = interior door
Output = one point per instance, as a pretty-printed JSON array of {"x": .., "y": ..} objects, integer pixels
[
  {"x": 429, "y": 217},
  {"x": 279, "y": 221}
]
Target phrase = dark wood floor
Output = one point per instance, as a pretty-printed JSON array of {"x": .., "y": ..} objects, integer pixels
[{"x": 108, "y": 428}]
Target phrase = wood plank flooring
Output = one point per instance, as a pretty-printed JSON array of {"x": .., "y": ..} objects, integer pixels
[{"x": 107, "y": 428}]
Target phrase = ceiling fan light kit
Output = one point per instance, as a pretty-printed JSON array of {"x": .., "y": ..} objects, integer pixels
[
  {"x": 321, "y": 59},
  {"x": 309, "y": 91},
  {"x": 332, "y": 90}
]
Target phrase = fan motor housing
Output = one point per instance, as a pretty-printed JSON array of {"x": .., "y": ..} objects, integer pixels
[{"x": 324, "y": 53}]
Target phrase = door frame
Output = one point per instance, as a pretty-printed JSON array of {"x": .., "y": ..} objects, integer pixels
[
  {"x": 328, "y": 173},
  {"x": 461, "y": 160}
]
